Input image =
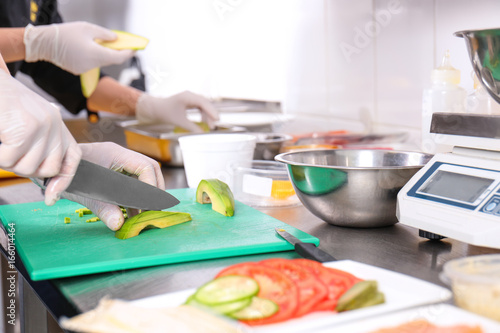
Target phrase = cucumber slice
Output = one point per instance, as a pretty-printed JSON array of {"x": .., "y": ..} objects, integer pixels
[
  {"x": 223, "y": 308},
  {"x": 229, "y": 288},
  {"x": 259, "y": 308}
]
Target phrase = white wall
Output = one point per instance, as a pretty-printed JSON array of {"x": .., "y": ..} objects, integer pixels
[{"x": 334, "y": 63}]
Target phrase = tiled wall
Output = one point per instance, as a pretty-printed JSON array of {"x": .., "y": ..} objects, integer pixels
[
  {"x": 334, "y": 63},
  {"x": 374, "y": 57}
]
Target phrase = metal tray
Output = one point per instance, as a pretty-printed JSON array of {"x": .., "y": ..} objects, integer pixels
[{"x": 159, "y": 141}]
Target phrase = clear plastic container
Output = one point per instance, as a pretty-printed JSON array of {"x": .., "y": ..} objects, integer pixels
[
  {"x": 264, "y": 184},
  {"x": 475, "y": 282}
]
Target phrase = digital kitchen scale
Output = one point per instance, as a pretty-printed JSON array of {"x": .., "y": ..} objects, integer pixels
[{"x": 457, "y": 194}]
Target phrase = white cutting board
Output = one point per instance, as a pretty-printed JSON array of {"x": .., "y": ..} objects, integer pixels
[{"x": 401, "y": 292}]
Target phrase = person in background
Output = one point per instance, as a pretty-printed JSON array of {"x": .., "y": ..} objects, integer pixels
[
  {"x": 34, "y": 142},
  {"x": 34, "y": 40}
]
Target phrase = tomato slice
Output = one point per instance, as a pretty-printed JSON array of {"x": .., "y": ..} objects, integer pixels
[
  {"x": 311, "y": 289},
  {"x": 337, "y": 282},
  {"x": 274, "y": 285}
]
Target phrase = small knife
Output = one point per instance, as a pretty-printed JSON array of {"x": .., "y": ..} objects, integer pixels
[
  {"x": 306, "y": 250},
  {"x": 99, "y": 183}
]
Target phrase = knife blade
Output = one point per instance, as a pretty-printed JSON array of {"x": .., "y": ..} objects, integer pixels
[
  {"x": 99, "y": 183},
  {"x": 306, "y": 250}
]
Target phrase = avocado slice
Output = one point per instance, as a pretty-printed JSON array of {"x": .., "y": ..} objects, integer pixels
[
  {"x": 218, "y": 194},
  {"x": 124, "y": 41},
  {"x": 362, "y": 294},
  {"x": 89, "y": 81},
  {"x": 148, "y": 220}
]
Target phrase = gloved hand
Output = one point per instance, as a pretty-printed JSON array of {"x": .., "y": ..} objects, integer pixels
[
  {"x": 34, "y": 140},
  {"x": 172, "y": 110},
  {"x": 117, "y": 158},
  {"x": 71, "y": 46}
]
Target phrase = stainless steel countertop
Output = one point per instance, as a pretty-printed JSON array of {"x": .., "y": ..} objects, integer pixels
[{"x": 397, "y": 248}]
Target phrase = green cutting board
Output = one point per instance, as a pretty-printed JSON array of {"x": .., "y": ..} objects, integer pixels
[{"x": 51, "y": 249}]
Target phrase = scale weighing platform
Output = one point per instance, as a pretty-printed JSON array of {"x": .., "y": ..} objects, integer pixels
[{"x": 457, "y": 194}]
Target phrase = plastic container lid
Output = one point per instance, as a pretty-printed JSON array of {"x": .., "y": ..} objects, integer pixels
[
  {"x": 475, "y": 269},
  {"x": 446, "y": 73},
  {"x": 218, "y": 142}
]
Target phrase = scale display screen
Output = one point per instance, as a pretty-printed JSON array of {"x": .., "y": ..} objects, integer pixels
[{"x": 456, "y": 186}]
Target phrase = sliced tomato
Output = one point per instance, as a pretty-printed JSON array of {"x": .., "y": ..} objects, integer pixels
[
  {"x": 337, "y": 282},
  {"x": 311, "y": 289},
  {"x": 274, "y": 285}
]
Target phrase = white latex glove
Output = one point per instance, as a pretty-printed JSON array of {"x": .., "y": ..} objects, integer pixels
[
  {"x": 172, "y": 110},
  {"x": 71, "y": 46},
  {"x": 120, "y": 159},
  {"x": 34, "y": 140}
]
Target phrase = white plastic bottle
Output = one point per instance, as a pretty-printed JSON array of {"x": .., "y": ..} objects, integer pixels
[
  {"x": 445, "y": 95},
  {"x": 480, "y": 101}
]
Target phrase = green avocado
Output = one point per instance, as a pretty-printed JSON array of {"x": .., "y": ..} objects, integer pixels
[
  {"x": 148, "y": 220},
  {"x": 218, "y": 194}
]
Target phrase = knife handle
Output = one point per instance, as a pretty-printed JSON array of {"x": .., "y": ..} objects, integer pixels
[{"x": 310, "y": 251}]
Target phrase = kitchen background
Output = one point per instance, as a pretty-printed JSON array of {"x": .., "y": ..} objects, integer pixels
[{"x": 333, "y": 64}]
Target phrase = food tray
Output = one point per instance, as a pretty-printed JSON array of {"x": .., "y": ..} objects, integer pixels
[{"x": 160, "y": 142}]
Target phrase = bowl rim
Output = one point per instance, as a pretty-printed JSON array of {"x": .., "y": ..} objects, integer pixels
[{"x": 281, "y": 158}]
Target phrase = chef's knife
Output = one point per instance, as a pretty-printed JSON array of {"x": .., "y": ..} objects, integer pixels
[
  {"x": 96, "y": 182},
  {"x": 306, "y": 250}
]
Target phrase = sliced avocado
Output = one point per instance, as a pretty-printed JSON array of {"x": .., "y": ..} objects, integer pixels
[
  {"x": 218, "y": 193},
  {"x": 89, "y": 81},
  {"x": 358, "y": 294},
  {"x": 379, "y": 298},
  {"x": 125, "y": 41},
  {"x": 150, "y": 219}
]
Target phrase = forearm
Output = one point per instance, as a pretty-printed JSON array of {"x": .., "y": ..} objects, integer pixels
[
  {"x": 2, "y": 64},
  {"x": 12, "y": 44},
  {"x": 111, "y": 96}
]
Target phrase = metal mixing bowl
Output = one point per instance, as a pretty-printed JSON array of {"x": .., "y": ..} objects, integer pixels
[
  {"x": 484, "y": 53},
  {"x": 352, "y": 187},
  {"x": 269, "y": 145}
]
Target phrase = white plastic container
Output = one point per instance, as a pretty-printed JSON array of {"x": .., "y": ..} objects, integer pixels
[
  {"x": 445, "y": 95},
  {"x": 264, "y": 184},
  {"x": 475, "y": 282},
  {"x": 208, "y": 156}
]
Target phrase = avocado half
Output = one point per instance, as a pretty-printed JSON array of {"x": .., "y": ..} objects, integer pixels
[
  {"x": 218, "y": 194},
  {"x": 150, "y": 219}
]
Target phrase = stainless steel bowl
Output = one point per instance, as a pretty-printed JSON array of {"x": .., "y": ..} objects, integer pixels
[
  {"x": 352, "y": 187},
  {"x": 484, "y": 52},
  {"x": 269, "y": 145}
]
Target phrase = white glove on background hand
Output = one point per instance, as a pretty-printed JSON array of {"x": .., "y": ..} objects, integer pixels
[
  {"x": 34, "y": 140},
  {"x": 115, "y": 157},
  {"x": 172, "y": 110},
  {"x": 71, "y": 46}
]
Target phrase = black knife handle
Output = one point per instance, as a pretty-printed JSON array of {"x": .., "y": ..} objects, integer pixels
[{"x": 310, "y": 251}]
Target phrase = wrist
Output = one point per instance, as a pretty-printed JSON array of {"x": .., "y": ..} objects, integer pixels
[
  {"x": 143, "y": 107},
  {"x": 34, "y": 43}
]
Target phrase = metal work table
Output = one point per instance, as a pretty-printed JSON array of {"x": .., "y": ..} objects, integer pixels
[{"x": 397, "y": 248}]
